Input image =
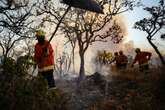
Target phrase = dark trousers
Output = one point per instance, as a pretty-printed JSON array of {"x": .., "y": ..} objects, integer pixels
[
  {"x": 48, "y": 75},
  {"x": 121, "y": 66},
  {"x": 144, "y": 68}
]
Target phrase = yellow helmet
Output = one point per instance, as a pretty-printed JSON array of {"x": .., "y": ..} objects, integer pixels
[{"x": 40, "y": 33}]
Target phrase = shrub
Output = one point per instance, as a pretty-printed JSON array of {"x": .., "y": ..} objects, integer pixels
[{"x": 18, "y": 91}]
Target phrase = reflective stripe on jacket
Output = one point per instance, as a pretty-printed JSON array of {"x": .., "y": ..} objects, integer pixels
[{"x": 46, "y": 68}]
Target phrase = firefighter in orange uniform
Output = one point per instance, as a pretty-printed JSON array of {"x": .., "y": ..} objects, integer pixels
[
  {"x": 142, "y": 58},
  {"x": 116, "y": 60},
  {"x": 123, "y": 60},
  {"x": 44, "y": 58}
]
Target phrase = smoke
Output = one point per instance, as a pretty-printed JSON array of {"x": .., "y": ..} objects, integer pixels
[
  {"x": 126, "y": 47},
  {"x": 120, "y": 20},
  {"x": 90, "y": 66},
  {"x": 109, "y": 46}
]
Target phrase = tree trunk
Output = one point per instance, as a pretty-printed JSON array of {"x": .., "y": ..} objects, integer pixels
[
  {"x": 73, "y": 59},
  {"x": 157, "y": 51},
  {"x": 5, "y": 58},
  {"x": 82, "y": 69}
]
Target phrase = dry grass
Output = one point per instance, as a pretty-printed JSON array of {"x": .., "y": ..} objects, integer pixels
[
  {"x": 134, "y": 73},
  {"x": 149, "y": 95},
  {"x": 128, "y": 73}
]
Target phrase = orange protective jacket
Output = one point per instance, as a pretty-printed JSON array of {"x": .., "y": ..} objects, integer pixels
[
  {"x": 142, "y": 58},
  {"x": 44, "y": 62},
  {"x": 116, "y": 59},
  {"x": 122, "y": 59}
]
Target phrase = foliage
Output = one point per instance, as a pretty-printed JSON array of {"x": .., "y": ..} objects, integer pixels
[
  {"x": 162, "y": 36},
  {"x": 104, "y": 57},
  {"x": 15, "y": 24},
  {"x": 20, "y": 91}
]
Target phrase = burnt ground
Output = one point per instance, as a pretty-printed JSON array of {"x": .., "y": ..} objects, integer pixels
[{"x": 127, "y": 90}]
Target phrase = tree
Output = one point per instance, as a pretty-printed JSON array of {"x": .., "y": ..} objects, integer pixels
[
  {"x": 153, "y": 25},
  {"x": 15, "y": 23},
  {"x": 89, "y": 27},
  {"x": 85, "y": 25},
  {"x": 19, "y": 90},
  {"x": 72, "y": 40}
]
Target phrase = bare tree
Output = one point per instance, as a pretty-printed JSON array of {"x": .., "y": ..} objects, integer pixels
[
  {"x": 153, "y": 25},
  {"x": 89, "y": 27},
  {"x": 72, "y": 40},
  {"x": 15, "y": 23}
]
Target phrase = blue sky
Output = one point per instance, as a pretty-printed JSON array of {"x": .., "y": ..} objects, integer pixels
[{"x": 131, "y": 17}]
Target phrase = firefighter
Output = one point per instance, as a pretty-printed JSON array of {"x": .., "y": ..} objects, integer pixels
[
  {"x": 142, "y": 58},
  {"x": 123, "y": 60},
  {"x": 116, "y": 60},
  {"x": 98, "y": 57},
  {"x": 104, "y": 55},
  {"x": 44, "y": 58}
]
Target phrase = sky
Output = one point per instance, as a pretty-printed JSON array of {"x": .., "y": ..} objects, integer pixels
[{"x": 131, "y": 17}]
